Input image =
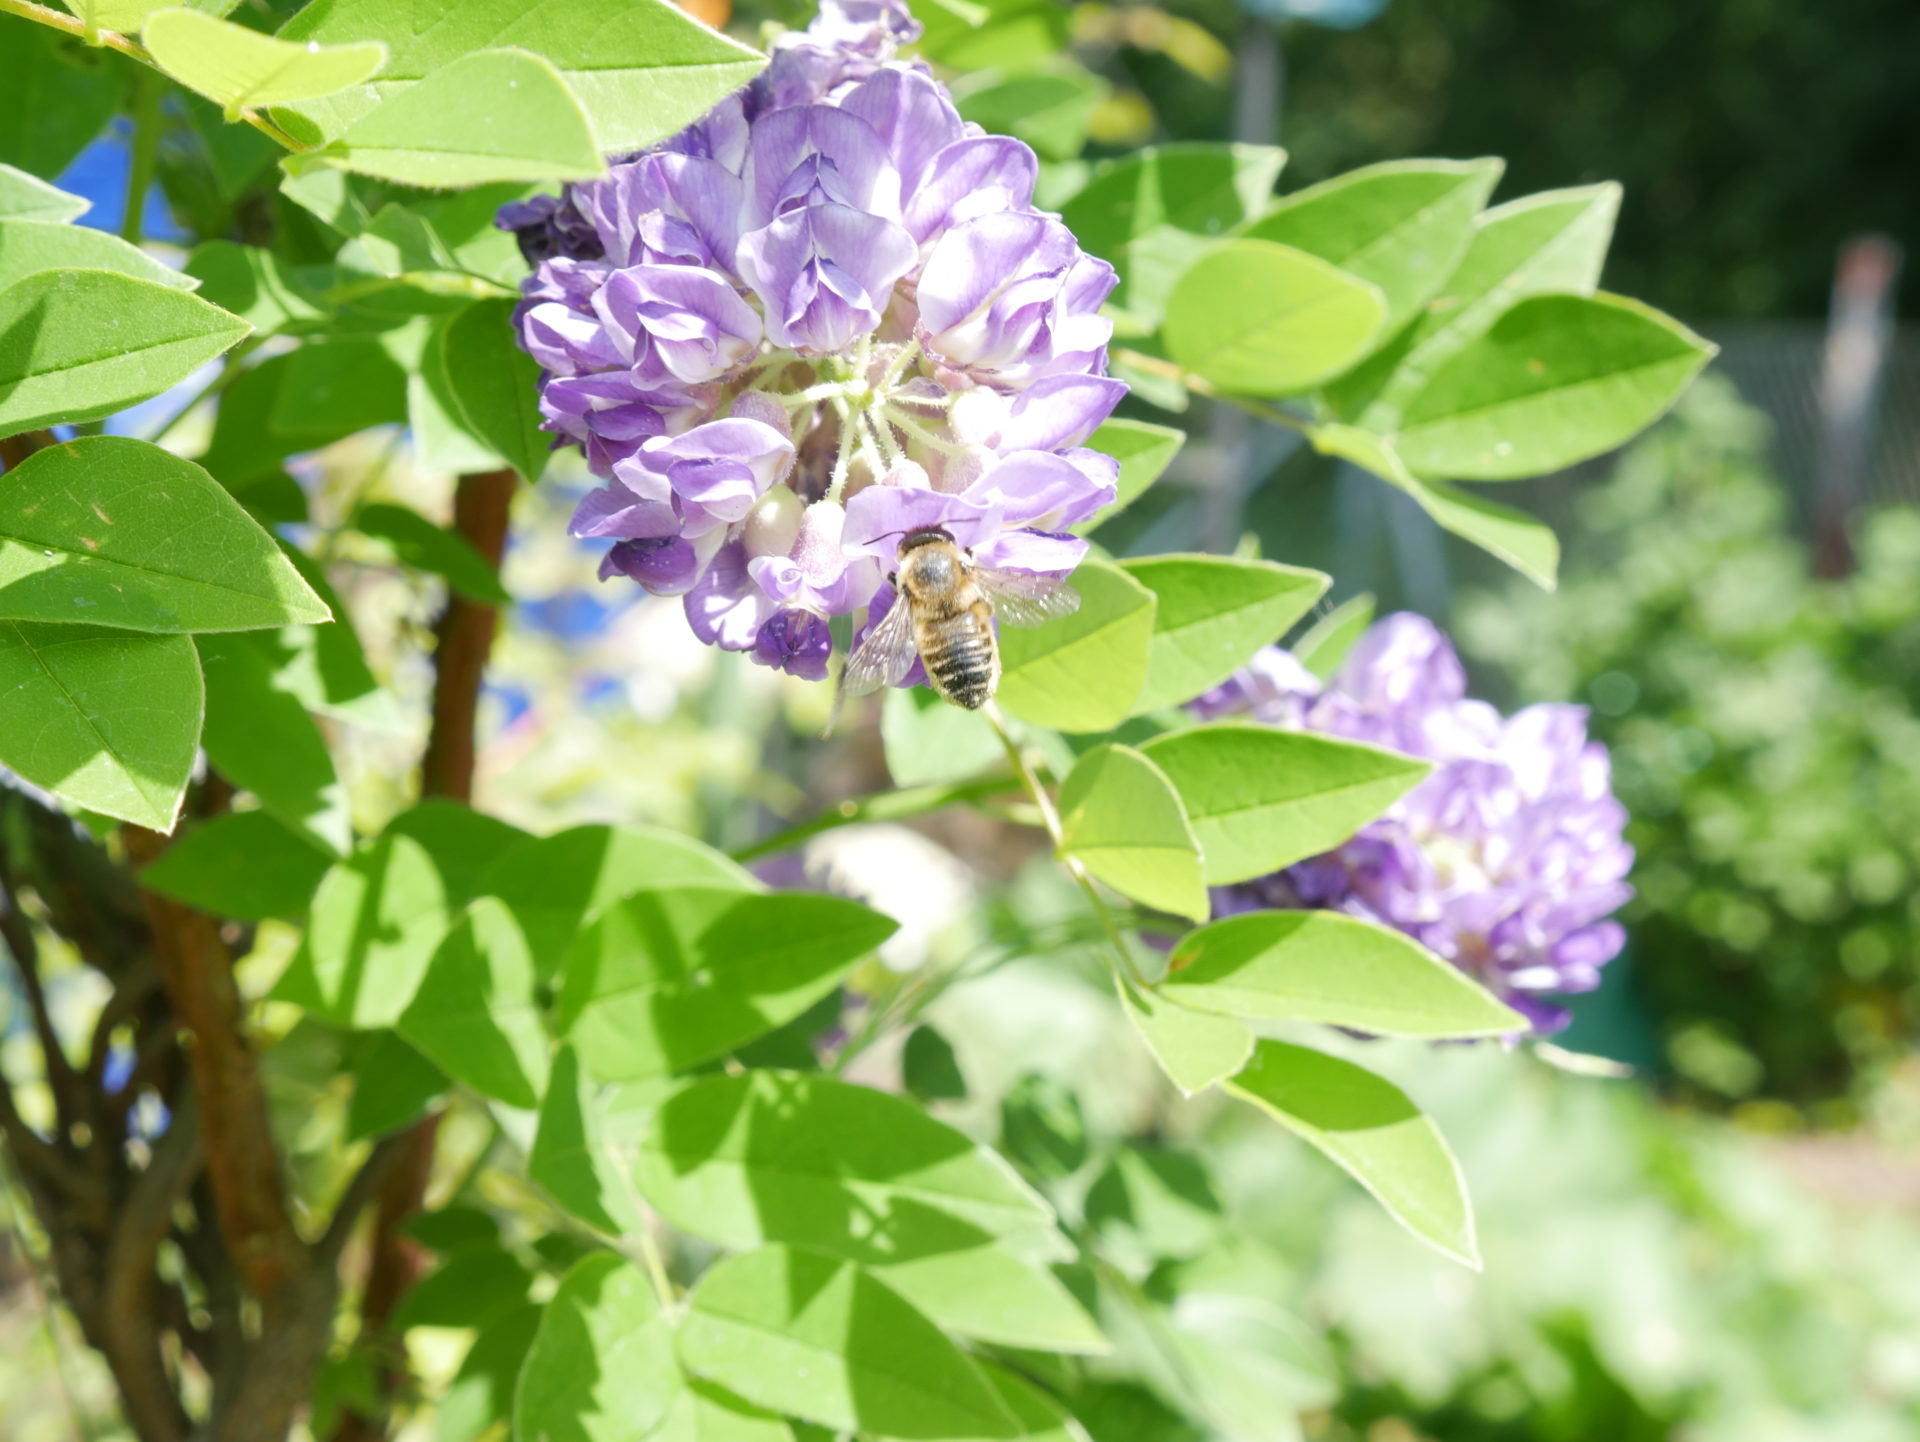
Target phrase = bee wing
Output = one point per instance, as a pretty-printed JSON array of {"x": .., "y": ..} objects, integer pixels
[
  {"x": 1021, "y": 599},
  {"x": 885, "y": 656}
]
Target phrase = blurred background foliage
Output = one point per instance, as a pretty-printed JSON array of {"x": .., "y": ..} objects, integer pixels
[{"x": 1720, "y": 1248}]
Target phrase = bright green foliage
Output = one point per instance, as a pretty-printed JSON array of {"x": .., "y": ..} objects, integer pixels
[
  {"x": 776, "y": 1157},
  {"x": 1324, "y": 645},
  {"x": 1083, "y": 673},
  {"x": 1050, "y": 109},
  {"x": 254, "y": 284},
  {"x": 27, "y": 246},
  {"x": 1262, "y": 319},
  {"x": 393, "y": 1086},
  {"x": 1402, "y": 225},
  {"x": 584, "y": 1147},
  {"x": 1144, "y": 451},
  {"x": 106, "y": 718},
  {"x": 1367, "y": 1124},
  {"x": 475, "y": 1013},
  {"x": 1195, "y": 1049},
  {"x": 495, "y": 385},
  {"x": 827, "y": 1341},
  {"x": 993, "y": 1294},
  {"x": 24, "y": 196},
  {"x": 260, "y": 736},
  {"x": 1260, "y": 798},
  {"x": 76, "y": 345},
  {"x": 1123, "y": 822},
  {"x": 929, "y": 742},
  {"x": 641, "y": 68},
  {"x": 1541, "y": 244},
  {"x": 602, "y": 1366},
  {"x": 1555, "y": 380},
  {"x": 379, "y": 915},
  {"x": 665, "y": 979},
  {"x": 235, "y": 67},
  {"x": 1152, "y": 213},
  {"x": 124, "y": 534},
  {"x": 126, "y": 16},
  {"x": 559, "y": 884},
  {"x": 1322, "y": 966},
  {"x": 495, "y": 115},
  {"x": 245, "y": 865},
  {"x": 1213, "y": 614}
]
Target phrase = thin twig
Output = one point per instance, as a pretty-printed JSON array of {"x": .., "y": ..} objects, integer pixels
[{"x": 1201, "y": 386}]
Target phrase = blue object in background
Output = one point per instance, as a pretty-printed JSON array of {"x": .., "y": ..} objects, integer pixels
[
  {"x": 1336, "y": 14},
  {"x": 570, "y": 615},
  {"x": 99, "y": 174}
]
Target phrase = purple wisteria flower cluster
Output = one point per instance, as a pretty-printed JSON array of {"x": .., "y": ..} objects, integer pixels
[
  {"x": 821, "y": 318},
  {"x": 1507, "y": 860}
]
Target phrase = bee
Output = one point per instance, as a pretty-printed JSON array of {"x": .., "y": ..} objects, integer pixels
[{"x": 944, "y": 613}]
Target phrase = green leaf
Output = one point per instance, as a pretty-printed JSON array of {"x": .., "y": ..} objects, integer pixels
[
  {"x": 30, "y": 246},
  {"x": 481, "y": 1393},
  {"x": 242, "y": 864},
  {"x": 1325, "y": 967},
  {"x": 702, "y": 1412},
  {"x": 442, "y": 438},
  {"x": 583, "y": 1148},
  {"x": 820, "y": 1339},
  {"x": 236, "y": 68},
  {"x": 559, "y": 884},
  {"x": 664, "y": 980},
  {"x": 394, "y": 1086},
  {"x": 468, "y": 1289},
  {"x": 1214, "y": 614},
  {"x": 929, "y": 1069},
  {"x": 1539, "y": 244},
  {"x": 496, "y": 385},
  {"x": 476, "y": 1014},
  {"x": 1369, "y": 1127},
  {"x": 324, "y": 667},
  {"x": 25, "y": 196},
  {"x": 76, "y": 345},
  {"x": 990, "y": 1294},
  {"x": 1151, "y": 213},
  {"x": 1555, "y": 380},
  {"x": 642, "y": 68},
  {"x": 421, "y": 544},
  {"x": 1196, "y": 1049},
  {"x": 602, "y": 1366},
  {"x": 1261, "y": 319},
  {"x": 1144, "y": 452},
  {"x": 1083, "y": 672},
  {"x": 379, "y": 915},
  {"x": 1261, "y": 798},
  {"x": 1050, "y": 108},
  {"x": 493, "y": 115},
  {"x": 791, "y": 1157},
  {"x": 105, "y": 719},
  {"x": 60, "y": 96},
  {"x": 1403, "y": 225},
  {"x": 125, "y": 16},
  {"x": 931, "y": 743},
  {"x": 1123, "y": 822},
  {"x": 331, "y": 389},
  {"x": 1164, "y": 1201},
  {"x": 116, "y": 531},
  {"x": 1327, "y": 641},
  {"x": 262, "y": 739},
  {"x": 1041, "y": 1418},
  {"x": 254, "y": 284},
  {"x": 1526, "y": 544}
]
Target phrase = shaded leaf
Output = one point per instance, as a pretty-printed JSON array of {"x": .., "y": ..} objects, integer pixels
[
  {"x": 1367, "y": 1125},
  {"x": 475, "y": 1013},
  {"x": 1261, "y": 798},
  {"x": 105, "y": 719},
  {"x": 25, "y": 196},
  {"x": 421, "y": 544},
  {"x": 254, "y": 284},
  {"x": 76, "y": 345},
  {"x": 496, "y": 385},
  {"x": 394, "y": 1086},
  {"x": 241, "y": 864}
]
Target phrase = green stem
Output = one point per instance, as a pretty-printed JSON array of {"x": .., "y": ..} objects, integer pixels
[
  {"x": 1050, "y": 818},
  {"x": 882, "y": 806},
  {"x": 1201, "y": 386},
  {"x": 146, "y": 90},
  {"x": 229, "y": 372}
]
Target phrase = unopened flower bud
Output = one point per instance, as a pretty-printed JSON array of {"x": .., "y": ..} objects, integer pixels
[{"x": 774, "y": 523}]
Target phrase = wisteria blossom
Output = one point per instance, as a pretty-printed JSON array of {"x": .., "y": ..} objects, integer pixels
[
  {"x": 1507, "y": 860},
  {"x": 822, "y": 317}
]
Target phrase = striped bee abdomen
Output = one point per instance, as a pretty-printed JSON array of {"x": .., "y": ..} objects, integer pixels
[{"x": 960, "y": 654}]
